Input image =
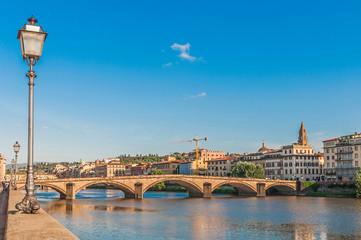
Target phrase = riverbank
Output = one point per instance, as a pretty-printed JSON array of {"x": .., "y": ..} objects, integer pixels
[
  {"x": 32, "y": 226},
  {"x": 321, "y": 189}
]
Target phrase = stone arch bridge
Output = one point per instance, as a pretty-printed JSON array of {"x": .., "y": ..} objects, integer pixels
[{"x": 197, "y": 186}]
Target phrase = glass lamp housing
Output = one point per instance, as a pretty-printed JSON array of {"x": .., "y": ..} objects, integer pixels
[
  {"x": 16, "y": 147},
  {"x": 32, "y": 39}
]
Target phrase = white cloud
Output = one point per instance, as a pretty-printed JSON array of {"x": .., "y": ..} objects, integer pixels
[
  {"x": 184, "y": 51},
  {"x": 167, "y": 64},
  {"x": 18, "y": 125},
  {"x": 44, "y": 127},
  {"x": 199, "y": 95}
]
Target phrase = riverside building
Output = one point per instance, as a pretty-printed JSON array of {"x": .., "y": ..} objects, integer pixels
[
  {"x": 220, "y": 167},
  {"x": 2, "y": 167},
  {"x": 291, "y": 162},
  {"x": 204, "y": 156},
  {"x": 342, "y": 157}
]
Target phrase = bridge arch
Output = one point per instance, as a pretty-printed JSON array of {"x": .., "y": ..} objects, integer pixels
[
  {"x": 193, "y": 189},
  {"x": 283, "y": 188},
  {"x": 128, "y": 192},
  {"x": 242, "y": 187},
  {"x": 54, "y": 187}
]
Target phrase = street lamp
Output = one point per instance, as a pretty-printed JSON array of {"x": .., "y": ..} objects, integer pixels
[
  {"x": 16, "y": 150},
  {"x": 32, "y": 39},
  {"x": 12, "y": 174}
]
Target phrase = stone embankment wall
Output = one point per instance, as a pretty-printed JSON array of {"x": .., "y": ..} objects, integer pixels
[
  {"x": 326, "y": 188},
  {"x": 329, "y": 189},
  {"x": 33, "y": 226}
]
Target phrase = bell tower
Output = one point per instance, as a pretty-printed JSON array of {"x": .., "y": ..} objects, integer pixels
[{"x": 302, "y": 136}]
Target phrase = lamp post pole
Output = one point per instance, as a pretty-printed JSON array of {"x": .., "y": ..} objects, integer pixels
[
  {"x": 30, "y": 204},
  {"x": 16, "y": 150},
  {"x": 32, "y": 38},
  {"x": 12, "y": 174}
]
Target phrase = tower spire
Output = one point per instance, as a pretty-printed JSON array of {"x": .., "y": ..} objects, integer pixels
[{"x": 302, "y": 136}]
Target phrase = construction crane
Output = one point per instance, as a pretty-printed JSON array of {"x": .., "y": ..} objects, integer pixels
[{"x": 197, "y": 147}]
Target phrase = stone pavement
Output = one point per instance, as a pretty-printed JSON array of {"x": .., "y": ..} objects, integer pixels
[{"x": 32, "y": 226}]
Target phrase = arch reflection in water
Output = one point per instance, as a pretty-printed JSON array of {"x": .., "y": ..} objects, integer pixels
[{"x": 219, "y": 218}]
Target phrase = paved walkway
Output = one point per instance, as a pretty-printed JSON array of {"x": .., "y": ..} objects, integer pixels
[
  {"x": 4, "y": 197},
  {"x": 32, "y": 226}
]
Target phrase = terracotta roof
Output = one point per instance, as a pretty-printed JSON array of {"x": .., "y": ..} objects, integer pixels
[
  {"x": 273, "y": 150},
  {"x": 221, "y": 159},
  {"x": 319, "y": 154},
  {"x": 330, "y": 140}
]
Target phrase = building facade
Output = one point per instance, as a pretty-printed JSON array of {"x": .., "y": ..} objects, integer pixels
[
  {"x": 140, "y": 169},
  {"x": 113, "y": 170},
  {"x": 342, "y": 157},
  {"x": 220, "y": 167},
  {"x": 291, "y": 162},
  {"x": 2, "y": 167},
  {"x": 186, "y": 168},
  {"x": 270, "y": 159},
  {"x": 168, "y": 167},
  {"x": 204, "y": 156}
]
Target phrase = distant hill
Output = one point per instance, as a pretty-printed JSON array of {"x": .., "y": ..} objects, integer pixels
[{"x": 8, "y": 166}]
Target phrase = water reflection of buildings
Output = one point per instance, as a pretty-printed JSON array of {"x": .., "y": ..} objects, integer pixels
[{"x": 68, "y": 206}]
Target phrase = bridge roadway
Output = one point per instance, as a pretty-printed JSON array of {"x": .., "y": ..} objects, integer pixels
[{"x": 197, "y": 186}]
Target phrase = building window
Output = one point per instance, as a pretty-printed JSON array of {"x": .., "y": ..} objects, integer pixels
[
  {"x": 328, "y": 150},
  {"x": 286, "y": 171},
  {"x": 356, "y": 163},
  {"x": 356, "y": 155},
  {"x": 328, "y": 158}
]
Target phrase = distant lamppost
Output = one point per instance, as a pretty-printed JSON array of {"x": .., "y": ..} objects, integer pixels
[
  {"x": 16, "y": 150},
  {"x": 12, "y": 174},
  {"x": 32, "y": 39}
]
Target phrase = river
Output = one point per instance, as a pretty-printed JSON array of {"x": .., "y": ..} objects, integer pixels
[{"x": 103, "y": 214}]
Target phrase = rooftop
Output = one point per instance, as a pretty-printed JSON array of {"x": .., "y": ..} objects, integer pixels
[{"x": 227, "y": 158}]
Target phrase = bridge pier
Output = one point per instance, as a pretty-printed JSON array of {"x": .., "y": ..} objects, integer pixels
[
  {"x": 138, "y": 190},
  {"x": 62, "y": 196},
  {"x": 207, "y": 190},
  {"x": 70, "y": 191},
  {"x": 261, "y": 192}
]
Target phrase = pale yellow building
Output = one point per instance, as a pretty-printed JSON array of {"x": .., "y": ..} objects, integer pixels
[
  {"x": 342, "y": 157},
  {"x": 220, "y": 167},
  {"x": 113, "y": 170},
  {"x": 2, "y": 167},
  {"x": 204, "y": 156},
  {"x": 168, "y": 167}
]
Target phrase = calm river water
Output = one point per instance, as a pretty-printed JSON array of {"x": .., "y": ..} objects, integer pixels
[{"x": 103, "y": 214}]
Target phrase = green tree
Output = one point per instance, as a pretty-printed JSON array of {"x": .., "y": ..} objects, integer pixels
[
  {"x": 157, "y": 172},
  {"x": 159, "y": 186},
  {"x": 243, "y": 169},
  {"x": 358, "y": 184}
]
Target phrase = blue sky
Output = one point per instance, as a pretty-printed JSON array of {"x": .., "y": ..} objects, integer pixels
[{"x": 130, "y": 76}]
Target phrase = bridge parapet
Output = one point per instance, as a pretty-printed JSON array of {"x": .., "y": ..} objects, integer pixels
[{"x": 135, "y": 186}]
